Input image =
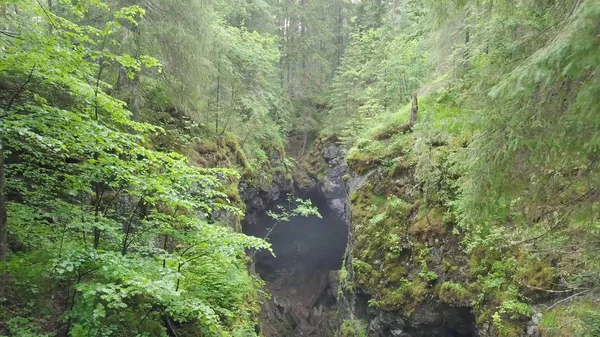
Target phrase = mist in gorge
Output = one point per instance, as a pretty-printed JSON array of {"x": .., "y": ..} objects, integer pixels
[
  {"x": 302, "y": 274},
  {"x": 451, "y": 147},
  {"x": 306, "y": 244}
]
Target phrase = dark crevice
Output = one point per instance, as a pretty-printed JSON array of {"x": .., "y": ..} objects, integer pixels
[
  {"x": 304, "y": 245},
  {"x": 302, "y": 276}
]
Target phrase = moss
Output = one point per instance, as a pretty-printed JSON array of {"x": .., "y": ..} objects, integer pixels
[
  {"x": 362, "y": 163},
  {"x": 418, "y": 291},
  {"x": 534, "y": 272},
  {"x": 429, "y": 223},
  {"x": 387, "y": 131},
  {"x": 448, "y": 267},
  {"x": 366, "y": 275},
  {"x": 381, "y": 224},
  {"x": 232, "y": 191},
  {"x": 345, "y": 282},
  {"x": 401, "y": 168},
  {"x": 394, "y": 272},
  {"x": 366, "y": 154},
  {"x": 454, "y": 293},
  {"x": 406, "y": 296},
  {"x": 378, "y": 222},
  {"x": 480, "y": 261},
  {"x": 354, "y": 328},
  {"x": 576, "y": 318}
]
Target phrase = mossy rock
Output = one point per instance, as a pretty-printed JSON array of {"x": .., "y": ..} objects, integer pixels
[
  {"x": 429, "y": 224},
  {"x": 454, "y": 294},
  {"x": 366, "y": 276},
  {"x": 534, "y": 273},
  {"x": 394, "y": 273},
  {"x": 406, "y": 296}
]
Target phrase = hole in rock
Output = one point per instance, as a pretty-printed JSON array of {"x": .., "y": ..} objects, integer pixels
[
  {"x": 430, "y": 320},
  {"x": 451, "y": 322},
  {"x": 306, "y": 250}
]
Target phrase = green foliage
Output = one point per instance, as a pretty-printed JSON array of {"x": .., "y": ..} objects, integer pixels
[
  {"x": 454, "y": 293},
  {"x": 23, "y": 327},
  {"x": 109, "y": 237},
  {"x": 294, "y": 207},
  {"x": 379, "y": 72},
  {"x": 112, "y": 234},
  {"x": 577, "y": 318},
  {"x": 503, "y": 154},
  {"x": 354, "y": 328}
]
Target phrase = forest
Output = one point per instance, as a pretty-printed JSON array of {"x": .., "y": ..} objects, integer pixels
[{"x": 139, "y": 138}]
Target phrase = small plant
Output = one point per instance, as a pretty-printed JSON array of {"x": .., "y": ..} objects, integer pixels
[
  {"x": 451, "y": 292},
  {"x": 429, "y": 276},
  {"x": 292, "y": 208},
  {"x": 354, "y": 328}
]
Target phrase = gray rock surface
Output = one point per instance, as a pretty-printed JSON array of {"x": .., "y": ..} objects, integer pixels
[
  {"x": 532, "y": 325},
  {"x": 428, "y": 320},
  {"x": 333, "y": 185}
]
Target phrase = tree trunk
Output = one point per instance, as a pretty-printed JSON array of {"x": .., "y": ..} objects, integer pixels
[
  {"x": 393, "y": 15},
  {"x": 340, "y": 37},
  {"x": 134, "y": 103},
  {"x": 136, "y": 93},
  {"x": 413, "y": 112},
  {"x": 3, "y": 225},
  {"x": 304, "y": 137},
  {"x": 218, "y": 94}
]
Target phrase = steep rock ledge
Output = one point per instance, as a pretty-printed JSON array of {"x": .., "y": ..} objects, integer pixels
[{"x": 404, "y": 273}]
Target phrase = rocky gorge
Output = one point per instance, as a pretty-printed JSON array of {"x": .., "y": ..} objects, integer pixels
[{"x": 309, "y": 298}]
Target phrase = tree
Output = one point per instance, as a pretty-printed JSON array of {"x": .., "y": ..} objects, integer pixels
[{"x": 118, "y": 230}]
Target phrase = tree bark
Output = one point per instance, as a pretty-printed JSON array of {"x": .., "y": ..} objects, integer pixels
[
  {"x": 135, "y": 103},
  {"x": 304, "y": 137},
  {"x": 3, "y": 225},
  {"x": 393, "y": 15},
  {"x": 413, "y": 112},
  {"x": 218, "y": 94}
]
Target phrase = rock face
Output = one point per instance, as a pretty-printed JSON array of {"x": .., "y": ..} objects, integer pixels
[
  {"x": 299, "y": 306},
  {"x": 333, "y": 186},
  {"x": 429, "y": 320},
  {"x": 258, "y": 199},
  {"x": 396, "y": 292},
  {"x": 397, "y": 258}
]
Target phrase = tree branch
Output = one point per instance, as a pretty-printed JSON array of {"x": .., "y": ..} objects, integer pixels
[
  {"x": 567, "y": 298},
  {"x": 21, "y": 89},
  {"x": 10, "y": 34}
]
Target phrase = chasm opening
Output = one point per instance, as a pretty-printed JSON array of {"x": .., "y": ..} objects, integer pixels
[
  {"x": 308, "y": 251},
  {"x": 447, "y": 321}
]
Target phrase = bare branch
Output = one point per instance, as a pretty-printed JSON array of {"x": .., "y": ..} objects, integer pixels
[
  {"x": 10, "y": 34},
  {"x": 567, "y": 298}
]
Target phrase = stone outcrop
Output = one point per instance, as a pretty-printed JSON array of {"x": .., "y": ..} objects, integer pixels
[
  {"x": 258, "y": 199},
  {"x": 333, "y": 186},
  {"x": 369, "y": 288},
  {"x": 399, "y": 255}
]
